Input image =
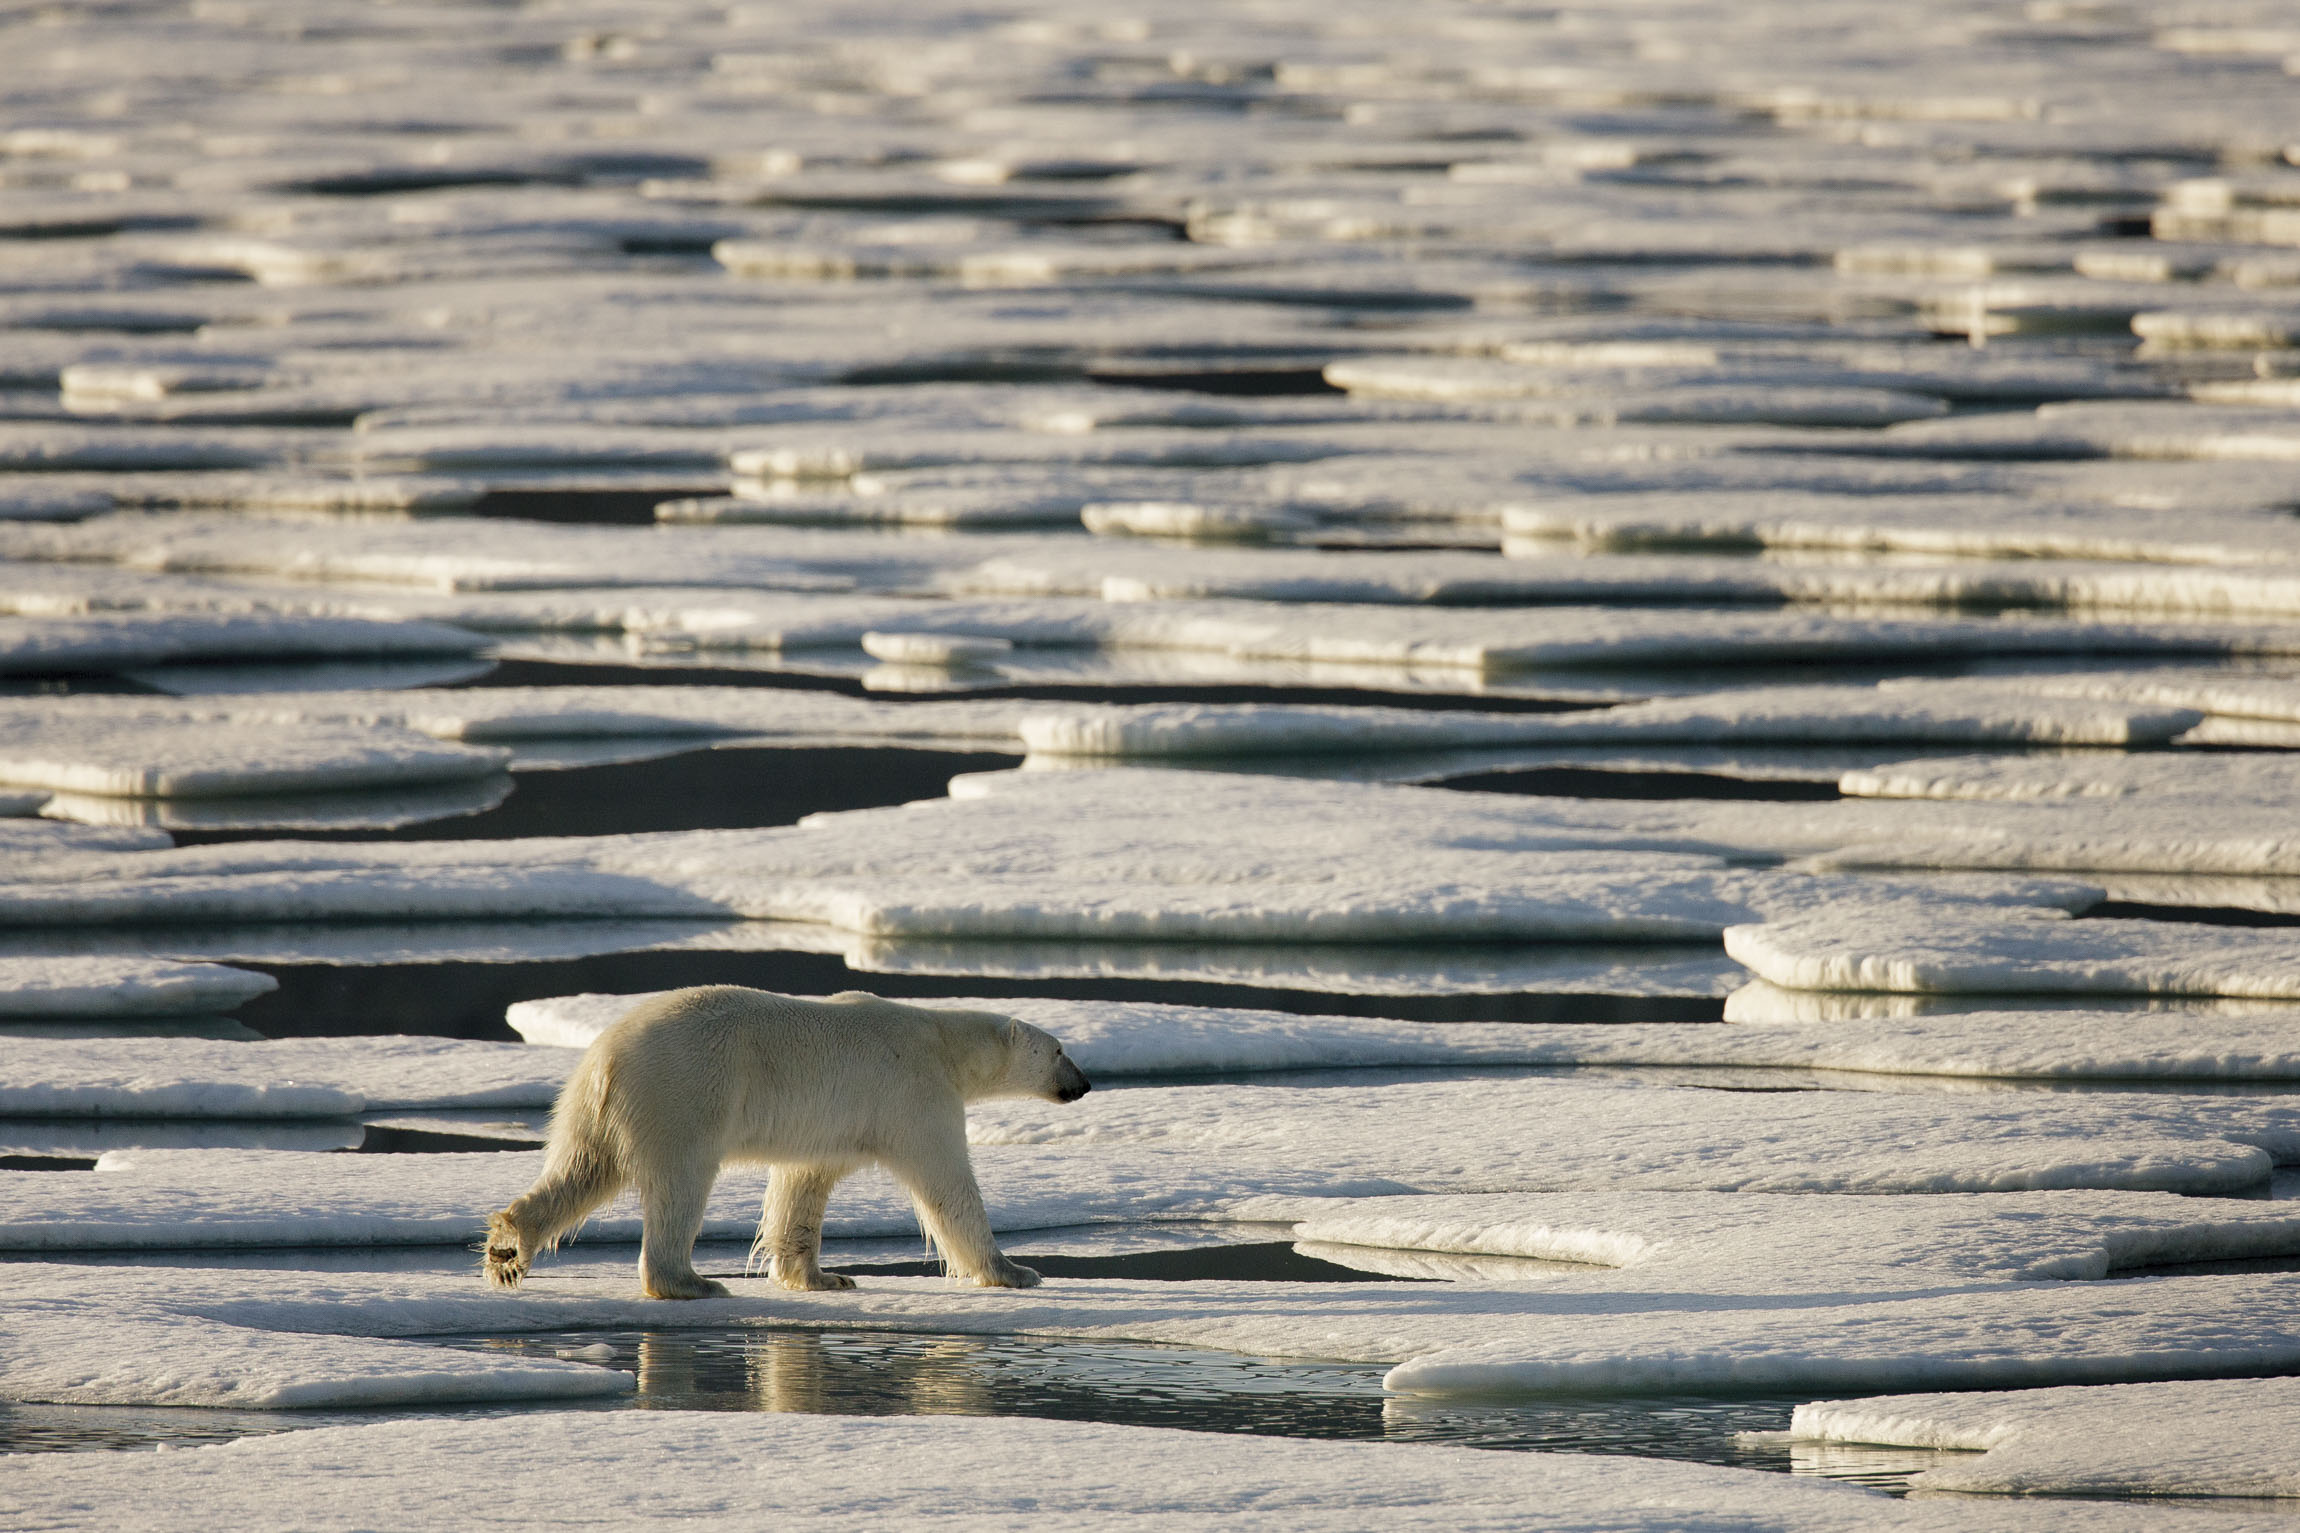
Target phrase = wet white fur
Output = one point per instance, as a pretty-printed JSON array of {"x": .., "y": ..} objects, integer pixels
[{"x": 815, "y": 1089}]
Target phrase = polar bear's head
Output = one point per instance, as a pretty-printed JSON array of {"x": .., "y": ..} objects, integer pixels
[
  {"x": 1010, "y": 1058},
  {"x": 1037, "y": 1067}
]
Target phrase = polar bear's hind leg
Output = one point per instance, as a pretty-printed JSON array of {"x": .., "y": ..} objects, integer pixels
[
  {"x": 672, "y": 1200},
  {"x": 790, "y": 1242}
]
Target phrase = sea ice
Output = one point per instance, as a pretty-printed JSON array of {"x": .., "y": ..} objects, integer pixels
[
  {"x": 2219, "y": 777},
  {"x": 1960, "y": 710},
  {"x": 199, "y": 756},
  {"x": 119, "y": 987},
  {"x": 1209, "y": 1151},
  {"x": 713, "y": 1471},
  {"x": 2228, "y": 1437},
  {"x": 2016, "y": 952},
  {"x": 55, "y": 644},
  {"x": 1123, "y": 1038}
]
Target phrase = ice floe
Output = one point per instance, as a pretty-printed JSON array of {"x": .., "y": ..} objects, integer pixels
[
  {"x": 116, "y": 987},
  {"x": 1125, "y": 1038},
  {"x": 2228, "y": 1437},
  {"x": 205, "y": 757},
  {"x": 1211, "y": 1150},
  {"x": 55, "y": 645},
  {"x": 2016, "y": 952},
  {"x": 1968, "y": 710},
  {"x": 289, "y": 1077},
  {"x": 1003, "y": 860},
  {"x": 958, "y": 1472}
]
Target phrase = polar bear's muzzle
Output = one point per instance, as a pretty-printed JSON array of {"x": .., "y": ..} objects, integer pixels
[{"x": 1070, "y": 1082}]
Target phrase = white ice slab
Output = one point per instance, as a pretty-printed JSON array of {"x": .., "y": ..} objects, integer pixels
[
  {"x": 1991, "y": 526},
  {"x": 1200, "y": 1151},
  {"x": 955, "y": 1472},
  {"x": 188, "y": 1078},
  {"x": 118, "y": 987},
  {"x": 1730, "y": 1242},
  {"x": 1973, "y": 710},
  {"x": 2228, "y": 1437},
  {"x": 1165, "y": 856},
  {"x": 157, "y": 1358},
  {"x": 2264, "y": 778},
  {"x": 192, "y": 757},
  {"x": 2011, "y": 1337},
  {"x": 2017, "y": 952},
  {"x": 120, "y": 643},
  {"x": 1123, "y": 1038}
]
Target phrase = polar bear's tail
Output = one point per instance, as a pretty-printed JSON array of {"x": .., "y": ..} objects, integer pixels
[{"x": 581, "y": 1170}]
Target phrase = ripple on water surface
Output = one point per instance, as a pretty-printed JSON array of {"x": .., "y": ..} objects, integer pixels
[{"x": 1135, "y": 1384}]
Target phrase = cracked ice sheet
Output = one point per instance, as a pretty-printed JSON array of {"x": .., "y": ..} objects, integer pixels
[
  {"x": 1718, "y": 1242},
  {"x": 1945, "y": 950},
  {"x": 2229, "y": 1437},
  {"x": 713, "y": 1472},
  {"x": 1122, "y": 1038},
  {"x": 1245, "y": 859},
  {"x": 62, "y": 986},
  {"x": 1976, "y": 710},
  {"x": 60, "y": 644},
  {"x": 2120, "y": 429},
  {"x": 159, "y": 756},
  {"x": 1213, "y": 1151},
  {"x": 92, "y": 730},
  {"x": 1538, "y": 573},
  {"x": 1606, "y": 1333},
  {"x": 723, "y": 616},
  {"x": 2264, "y": 778},
  {"x": 288, "y": 1077},
  {"x": 1967, "y": 526},
  {"x": 463, "y": 555}
]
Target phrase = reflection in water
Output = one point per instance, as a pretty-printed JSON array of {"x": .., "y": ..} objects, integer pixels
[
  {"x": 1443, "y": 1266},
  {"x": 853, "y": 1373},
  {"x": 884, "y": 1374}
]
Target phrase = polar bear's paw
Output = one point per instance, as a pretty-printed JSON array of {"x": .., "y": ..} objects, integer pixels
[
  {"x": 807, "y": 1279},
  {"x": 692, "y": 1286},
  {"x": 1008, "y": 1275},
  {"x": 504, "y": 1262}
]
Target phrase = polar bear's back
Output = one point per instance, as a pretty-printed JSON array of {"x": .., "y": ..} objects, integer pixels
[{"x": 753, "y": 1072}]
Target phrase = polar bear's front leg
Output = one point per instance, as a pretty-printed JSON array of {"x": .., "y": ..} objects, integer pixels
[
  {"x": 950, "y": 1207},
  {"x": 671, "y": 1201},
  {"x": 791, "y": 1230}
]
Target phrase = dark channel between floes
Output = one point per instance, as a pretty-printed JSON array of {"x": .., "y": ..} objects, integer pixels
[
  {"x": 733, "y": 788},
  {"x": 467, "y": 1000},
  {"x": 553, "y": 673}
]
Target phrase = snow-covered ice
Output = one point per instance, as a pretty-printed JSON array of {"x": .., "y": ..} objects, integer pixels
[
  {"x": 1202, "y": 1151},
  {"x": 287, "y": 1077},
  {"x": 1103, "y": 856},
  {"x": 2227, "y": 1437},
  {"x": 120, "y": 987},
  {"x": 2016, "y": 952},
  {"x": 1587, "y": 358},
  {"x": 715, "y": 1471},
  {"x": 1124, "y": 1038}
]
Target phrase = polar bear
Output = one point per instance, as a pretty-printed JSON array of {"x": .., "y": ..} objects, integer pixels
[{"x": 691, "y": 1079}]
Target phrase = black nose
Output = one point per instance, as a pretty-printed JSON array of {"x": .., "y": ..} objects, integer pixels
[{"x": 1070, "y": 1083}]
